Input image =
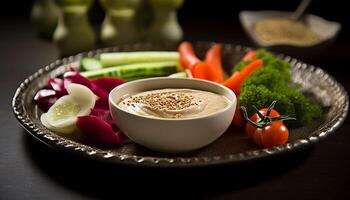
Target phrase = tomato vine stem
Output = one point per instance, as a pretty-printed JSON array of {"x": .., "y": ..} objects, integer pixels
[{"x": 265, "y": 119}]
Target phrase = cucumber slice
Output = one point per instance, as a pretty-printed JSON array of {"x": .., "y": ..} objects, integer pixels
[
  {"x": 123, "y": 58},
  {"x": 62, "y": 116},
  {"x": 64, "y": 130},
  {"x": 89, "y": 64},
  {"x": 63, "y": 113},
  {"x": 132, "y": 71},
  {"x": 81, "y": 94}
]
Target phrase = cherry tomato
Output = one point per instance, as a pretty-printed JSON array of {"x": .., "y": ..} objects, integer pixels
[{"x": 271, "y": 134}]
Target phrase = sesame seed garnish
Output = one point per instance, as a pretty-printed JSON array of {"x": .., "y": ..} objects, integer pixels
[{"x": 165, "y": 101}]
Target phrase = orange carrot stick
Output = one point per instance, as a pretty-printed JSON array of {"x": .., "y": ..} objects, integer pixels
[
  {"x": 201, "y": 70},
  {"x": 251, "y": 55},
  {"x": 237, "y": 78},
  {"x": 251, "y": 67},
  {"x": 238, "y": 119},
  {"x": 188, "y": 58},
  {"x": 213, "y": 59},
  {"x": 233, "y": 82}
]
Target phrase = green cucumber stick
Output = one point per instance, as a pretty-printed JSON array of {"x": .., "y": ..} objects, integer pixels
[
  {"x": 132, "y": 71},
  {"x": 122, "y": 58}
]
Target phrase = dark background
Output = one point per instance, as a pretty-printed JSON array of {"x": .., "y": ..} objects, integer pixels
[
  {"x": 226, "y": 10},
  {"x": 30, "y": 170},
  {"x": 218, "y": 20}
]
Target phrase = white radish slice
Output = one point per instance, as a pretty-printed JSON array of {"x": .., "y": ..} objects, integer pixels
[
  {"x": 64, "y": 112},
  {"x": 65, "y": 130},
  {"x": 62, "y": 116},
  {"x": 81, "y": 94}
]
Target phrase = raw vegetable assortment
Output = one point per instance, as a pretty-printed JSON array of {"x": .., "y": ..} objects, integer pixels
[
  {"x": 85, "y": 107},
  {"x": 260, "y": 81},
  {"x": 272, "y": 82},
  {"x": 69, "y": 108}
]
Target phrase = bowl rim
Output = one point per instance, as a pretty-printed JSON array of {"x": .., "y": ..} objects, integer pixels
[{"x": 211, "y": 115}]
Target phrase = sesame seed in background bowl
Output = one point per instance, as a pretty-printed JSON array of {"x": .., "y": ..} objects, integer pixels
[{"x": 277, "y": 31}]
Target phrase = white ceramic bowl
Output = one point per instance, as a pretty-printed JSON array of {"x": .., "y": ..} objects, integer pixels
[
  {"x": 328, "y": 30},
  {"x": 172, "y": 135}
]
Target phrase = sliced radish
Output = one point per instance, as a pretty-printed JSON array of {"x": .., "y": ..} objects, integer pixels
[
  {"x": 45, "y": 98},
  {"x": 102, "y": 101},
  {"x": 64, "y": 112},
  {"x": 82, "y": 94},
  {"x": 57, "y": 84},
  {"x": 62, "y": 115},
  {"x": 65, "y": 130},
  {"x": 99, "y": 132},
  {"x": 105, "y": 115},
  {"x": 75, "y": 77},
  {"x": 107, "y": 83}
]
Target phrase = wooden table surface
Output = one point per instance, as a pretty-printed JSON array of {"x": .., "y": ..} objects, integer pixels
[{"x": 31, "y": 170}]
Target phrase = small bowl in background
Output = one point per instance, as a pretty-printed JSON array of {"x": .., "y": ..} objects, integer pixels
[
  {"x": 172, "y": 135},
  {"x": 328, "y": 30}
]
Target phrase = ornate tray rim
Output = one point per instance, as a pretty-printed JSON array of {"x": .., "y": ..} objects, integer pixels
[{"x": 60, "y": 143}]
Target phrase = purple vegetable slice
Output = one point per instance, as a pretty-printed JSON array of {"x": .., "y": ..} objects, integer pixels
[
  {"x": 98, "y": 132},
  {"x": 107, "y": 84},
  {"x": 45, "y": 98}
]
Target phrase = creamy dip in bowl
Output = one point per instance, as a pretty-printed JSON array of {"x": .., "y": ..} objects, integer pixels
[
  {"x": 174, "y": 103},
  {"x": 172, "y": 114}
]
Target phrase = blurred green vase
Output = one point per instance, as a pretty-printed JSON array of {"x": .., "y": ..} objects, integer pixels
[
  {"x": 165, "y": 26},
  {"x": 44, "y": 16},
  {"x": 119, "y": 25},
  {"x": 74, "y": 32}
]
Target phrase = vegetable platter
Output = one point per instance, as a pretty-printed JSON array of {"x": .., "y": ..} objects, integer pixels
[{"x": 305, "y": 127}]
